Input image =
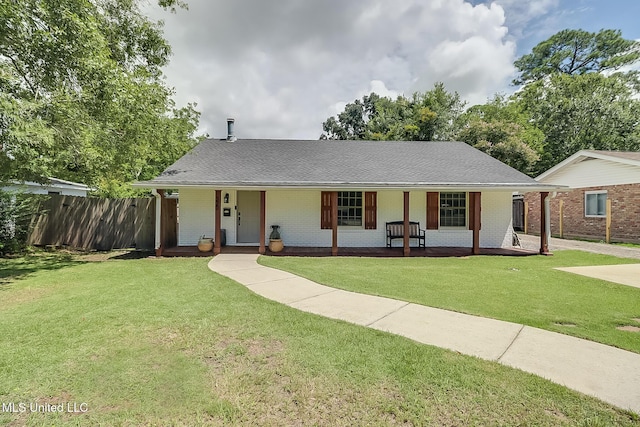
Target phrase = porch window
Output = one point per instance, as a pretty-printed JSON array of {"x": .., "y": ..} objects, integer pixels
[
  {"x": 595, "y": 204},
  {"x": 453, "y": 209},
  {"x": 354, "y": 209},
  {"x": 350, "y": 208}
]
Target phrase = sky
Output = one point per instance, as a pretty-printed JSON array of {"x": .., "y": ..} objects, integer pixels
[{"x": 280, "y": 68}]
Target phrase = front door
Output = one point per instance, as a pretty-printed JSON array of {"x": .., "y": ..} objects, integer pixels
[{"x": 248, "y": 216}]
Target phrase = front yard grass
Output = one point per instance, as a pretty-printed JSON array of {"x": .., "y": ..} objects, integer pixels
[
  {"x": 524, "y": 290},
  {"x": 168, "y": 342}
]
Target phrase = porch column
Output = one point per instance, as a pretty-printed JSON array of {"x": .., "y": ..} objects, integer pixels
[
  {"x": 216, "y": 239},
  {"x": 476, "y": 220},
  {"x": 405, "y": 234},
  {"x": 263, "y": 221},
  {"x": 544, "y": 237},
  {"x": 334, "y": 223},
  {"x": 160, "y": 224}
]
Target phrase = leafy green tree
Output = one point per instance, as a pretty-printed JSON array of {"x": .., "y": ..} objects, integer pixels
[
  {"x": 352, "y": 122},
  {"x": 82, "y": 96},
  {"x": 576, "y": 94},
  {"x": 576, "y": 52},
  {"x": 502, "y": 130},
  {"x": 590, "y": 111},
  {"x": 429, "y": 116}
]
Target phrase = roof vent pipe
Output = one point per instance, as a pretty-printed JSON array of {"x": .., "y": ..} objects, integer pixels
[{"x": 230, "y": 136}]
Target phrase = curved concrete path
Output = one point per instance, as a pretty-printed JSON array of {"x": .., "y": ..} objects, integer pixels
[{"x": 608, "y": 373}]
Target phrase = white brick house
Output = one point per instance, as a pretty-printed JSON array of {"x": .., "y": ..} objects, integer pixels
[{"x": 340, "y": 194}]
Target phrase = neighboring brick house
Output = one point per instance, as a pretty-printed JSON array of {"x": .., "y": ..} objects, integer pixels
[{"x": 595, "y": 179}]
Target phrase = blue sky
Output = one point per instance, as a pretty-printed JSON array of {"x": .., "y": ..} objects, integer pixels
[
  {"x": 282, "y": 67},
  {"x": 589, "y": 15}
]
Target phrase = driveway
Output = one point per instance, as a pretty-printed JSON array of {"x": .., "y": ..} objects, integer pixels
[
  {"x": 533, "y": 243},
  {"x": 625, "y": 274}
]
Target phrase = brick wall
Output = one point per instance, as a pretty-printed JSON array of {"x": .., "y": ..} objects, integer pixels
[
  {"x": 298, "y": 214},
  {"x": 625, "y": 214}
]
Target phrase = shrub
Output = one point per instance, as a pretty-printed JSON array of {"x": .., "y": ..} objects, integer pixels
[{"x": 16, "y": 211}]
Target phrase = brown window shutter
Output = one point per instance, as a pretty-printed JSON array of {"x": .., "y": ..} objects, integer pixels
[
  {"x": 370, "y": 210},
  {"x": 325, "y": 210},
  {"x": 433, "y": 210}
]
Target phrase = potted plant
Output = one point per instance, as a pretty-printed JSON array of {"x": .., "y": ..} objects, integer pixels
[
  {"x": 275, "y": 242},
  {"x": 205, "y": 244}
]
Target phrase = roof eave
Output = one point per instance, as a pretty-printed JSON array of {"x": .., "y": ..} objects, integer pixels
[
  {"x": 581, "y": 155},
  {"x": 463, "y": 186}
]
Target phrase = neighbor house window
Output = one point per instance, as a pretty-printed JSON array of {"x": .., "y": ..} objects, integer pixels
[
  {"x": 453, "y": 209},
  {"x": 350, "y": 208},
  {"x": 595, "y": 203}
]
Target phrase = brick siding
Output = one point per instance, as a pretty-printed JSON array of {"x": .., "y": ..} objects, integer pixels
[{"x": 625, "y": 214}]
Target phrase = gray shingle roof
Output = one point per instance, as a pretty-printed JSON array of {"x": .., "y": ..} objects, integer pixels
[{"x": 293, "y": 163}]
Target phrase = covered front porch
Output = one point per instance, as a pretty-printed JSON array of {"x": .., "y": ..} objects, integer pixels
[
  {"x": 435, "y": 252},
  {"x": 402, "y": 210}
]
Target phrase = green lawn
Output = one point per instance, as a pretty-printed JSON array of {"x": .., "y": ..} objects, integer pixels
[
  {"x": 168, "y": 342},
  {"x": 524, "y": 290}
]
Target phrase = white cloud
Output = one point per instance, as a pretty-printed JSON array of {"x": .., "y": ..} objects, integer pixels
[
  {"x": 381, "y": 89},
  {"x": 522, "y": 14},
  {"x": 282, "y": 67}
]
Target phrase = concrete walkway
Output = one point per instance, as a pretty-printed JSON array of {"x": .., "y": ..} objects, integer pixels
[{"x": 607, "y": 373}]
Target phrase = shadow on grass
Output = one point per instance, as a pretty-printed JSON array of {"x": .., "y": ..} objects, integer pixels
[
  {"x": 132, "y": 255},
  {"x": 13, "y": 268}
]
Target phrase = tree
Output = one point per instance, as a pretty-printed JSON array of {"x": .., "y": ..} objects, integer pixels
[
  {"x": 352, "y": 122},
  {"x": 576, "y": 112},
  {"x": 500, "y": 129},
  {"x": 425, "y": 116},
  {"x": 576, "y": 52},
  {"x": 82, "y": 96}
]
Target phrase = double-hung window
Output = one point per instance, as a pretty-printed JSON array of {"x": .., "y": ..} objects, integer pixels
[
  {"x": 355, "y": 209},
  {"x": 453, "y": 209},
  {"x": 350, "y": 208},
  {"x": 595, "y": 204}
]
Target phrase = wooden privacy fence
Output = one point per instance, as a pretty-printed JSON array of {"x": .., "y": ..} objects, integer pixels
[{"x": 93, "y": 223}]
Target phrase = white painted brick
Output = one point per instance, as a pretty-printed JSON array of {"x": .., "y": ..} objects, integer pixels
[
  {"x": 196, "y": 215},
  {"x": 497, "y": 227},
  {"x": 298, "y": 214}
]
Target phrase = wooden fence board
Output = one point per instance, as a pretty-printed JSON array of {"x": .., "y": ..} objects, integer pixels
[{"x": 92, "y": 223}]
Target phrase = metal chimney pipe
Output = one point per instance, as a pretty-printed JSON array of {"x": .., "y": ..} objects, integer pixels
[{"x": 230, "y": 124}]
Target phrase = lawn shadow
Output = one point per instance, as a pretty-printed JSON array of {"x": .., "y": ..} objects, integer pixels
[
  {"x": 14, "y": 268},
  {"x": 115, "y": 255},
  {"x": 133, "y": 255}
]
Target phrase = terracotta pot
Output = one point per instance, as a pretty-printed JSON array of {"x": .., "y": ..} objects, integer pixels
[
  {"x": 205, "y": 245},
  {"x": 275, "y": 245}
]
